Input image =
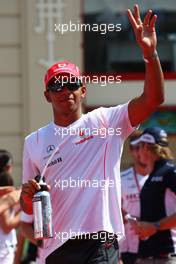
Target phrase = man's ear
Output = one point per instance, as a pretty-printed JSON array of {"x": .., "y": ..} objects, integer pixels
[
  {"x": 83, "y": 91},
  {"x": 47, "y": 96}
]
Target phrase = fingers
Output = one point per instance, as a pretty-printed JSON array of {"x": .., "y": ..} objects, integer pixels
[
  {"x": 148, "y": 21},
  {"x": 30, "y": 188},
  {"x": 132, "y": 19},
  {"x": 147, "y": 18},
  {"x": 34, "y": 185},
  {"x": 137, "y": 15},
  {"x": 153, "y": 21},
  {"x": 49, "y": 188},
  {"x": 135, "y": 19}
]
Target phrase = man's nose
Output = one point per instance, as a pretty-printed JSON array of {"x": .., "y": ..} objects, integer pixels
[{"x": 65, "y": 90}]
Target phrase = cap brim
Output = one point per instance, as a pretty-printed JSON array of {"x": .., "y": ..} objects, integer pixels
[
  {"x": 60, "y": 73},
  {"x": 144, "y": 138},
  {"x": 135, "y": 142}
]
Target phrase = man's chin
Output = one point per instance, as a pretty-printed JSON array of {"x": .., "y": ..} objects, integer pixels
[{"x": 69, "y": 107}]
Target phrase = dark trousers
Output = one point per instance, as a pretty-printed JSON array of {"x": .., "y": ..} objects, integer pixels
[
  {"x": 85, "y": 251},
  {"x": 128, "y": 258},
  {"x": 31, "y": 254}
]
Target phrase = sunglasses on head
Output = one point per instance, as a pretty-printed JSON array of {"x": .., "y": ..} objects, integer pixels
[{"x": 71, "y": 85}]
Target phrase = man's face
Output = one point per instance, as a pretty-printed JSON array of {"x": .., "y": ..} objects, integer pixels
[{"x": 66, "y": 101}]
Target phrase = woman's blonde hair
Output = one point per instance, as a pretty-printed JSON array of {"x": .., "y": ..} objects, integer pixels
[{"x": 161, "y": 152}]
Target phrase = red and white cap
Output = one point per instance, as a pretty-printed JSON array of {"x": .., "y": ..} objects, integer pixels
[{"x": 60, "y": 68}]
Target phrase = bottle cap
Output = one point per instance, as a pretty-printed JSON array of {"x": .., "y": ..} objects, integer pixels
[{"x": 41, "y": 181}]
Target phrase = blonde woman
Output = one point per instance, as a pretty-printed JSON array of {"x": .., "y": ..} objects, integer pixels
[{"x": 157, "y": 226}]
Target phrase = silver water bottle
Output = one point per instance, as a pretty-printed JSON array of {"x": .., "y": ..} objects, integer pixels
[{"x": 42, "y": 211}]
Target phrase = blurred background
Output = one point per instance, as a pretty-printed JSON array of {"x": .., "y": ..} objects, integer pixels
[{"x": 30, "y": 41}]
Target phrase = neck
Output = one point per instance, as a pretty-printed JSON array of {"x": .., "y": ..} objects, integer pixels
[
  {"x": 140, "y": 169},
  {"x": 66, "y": 119}
]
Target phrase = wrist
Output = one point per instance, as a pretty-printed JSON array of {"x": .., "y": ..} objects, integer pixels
[
  {"x": 150, "y": 57},
  {"x": 157, "y": 226}
]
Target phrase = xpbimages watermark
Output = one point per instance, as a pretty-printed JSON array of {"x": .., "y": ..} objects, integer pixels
[
  {"x": 82, "y": 132},
  {"x": 103, "y": 235},
  {"x": 82, "y": 183},
  {"x": 82, "y": 27},
  {"x": 103, "y": 80}
]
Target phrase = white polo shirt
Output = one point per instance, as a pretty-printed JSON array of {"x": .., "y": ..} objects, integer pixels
[
  {"x": 132, "y": 184},
  {"x": 84, "y": 173}
]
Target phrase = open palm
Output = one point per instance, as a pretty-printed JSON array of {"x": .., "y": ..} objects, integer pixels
[{"x": 144, "y": 31}]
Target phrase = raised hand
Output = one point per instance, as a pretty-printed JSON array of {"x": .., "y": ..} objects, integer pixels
[{"x": 144, "y": 31}]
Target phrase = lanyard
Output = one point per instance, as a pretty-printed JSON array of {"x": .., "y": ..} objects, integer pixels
[{"x": 136, "y": 180}]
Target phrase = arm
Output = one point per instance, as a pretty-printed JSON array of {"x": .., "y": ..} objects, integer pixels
[
  {"x": 141, "y": 107},
  {"x": 28, "y": 231},
  {"x": 8, "y": 223},
  {"x": 146, "y": 229},
  {"x": 9, "y": 200},
  {"x": 5, "y": 190},
  {"x": 168, "y": 222},
  {"x": 20, "y": 246}
]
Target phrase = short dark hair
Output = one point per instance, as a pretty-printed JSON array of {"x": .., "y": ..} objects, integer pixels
[
  {"x": 5, "y": 159},
  {"x": 6, "y": 179}
]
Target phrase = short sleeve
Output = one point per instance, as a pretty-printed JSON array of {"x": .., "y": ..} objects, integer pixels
[{"x": 117, "y": 117}]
